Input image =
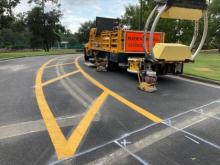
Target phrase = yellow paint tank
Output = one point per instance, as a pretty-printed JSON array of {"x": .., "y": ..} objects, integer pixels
[{"x": 172, "y": 52}]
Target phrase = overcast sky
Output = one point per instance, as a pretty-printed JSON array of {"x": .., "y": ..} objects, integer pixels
[{"x": 79, "y": 11}]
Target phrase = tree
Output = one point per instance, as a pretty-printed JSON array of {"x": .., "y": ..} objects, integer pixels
[
  {"x": 13, "y": 31},
  {"x": 176, "y": 30},
  {"x": 6, "y": 14},
  {"x": 214, "y": 23},
  {"x": 52, "y": 28},
  {"x": 135, "y": 16},
  {"x": 130, "y": 17},
  {"x": 83, "y": 32},
  {"x": 42, "y": 3},
  {"x": 45, "y": 27}
]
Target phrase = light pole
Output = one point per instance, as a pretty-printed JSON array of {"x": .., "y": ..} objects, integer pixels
[
  {"x": 43, "y": 5},
  {"x": 141, "y": 8}
]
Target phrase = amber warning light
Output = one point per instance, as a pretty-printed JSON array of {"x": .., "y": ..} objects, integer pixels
[{"x": 134, "y": 41}]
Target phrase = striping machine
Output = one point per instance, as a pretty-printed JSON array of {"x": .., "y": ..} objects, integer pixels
[{"x": 144, "y": 52}]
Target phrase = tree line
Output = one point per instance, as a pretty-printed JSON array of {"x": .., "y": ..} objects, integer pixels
[
  {"x": 176, "y": 30},
  {"x": 38, "y": 29}
]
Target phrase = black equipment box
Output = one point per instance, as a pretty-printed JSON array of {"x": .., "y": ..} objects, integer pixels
[{"x": 103, "y": 24}]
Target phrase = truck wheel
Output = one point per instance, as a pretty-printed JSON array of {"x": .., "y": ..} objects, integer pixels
[
  {"x": 112, "y": 66},
  {"x": 86, "y": 58}
]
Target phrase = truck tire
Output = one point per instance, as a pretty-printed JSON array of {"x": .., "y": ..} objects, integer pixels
[
  {"x": 86, "y": 58},
  {"x": 111, "y": 66}
]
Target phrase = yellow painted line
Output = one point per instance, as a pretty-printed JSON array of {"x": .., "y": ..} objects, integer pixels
[
  {"x": 59, "y": 78},
  {"x": 81, "y": 129},
  {"x": 52, "y": 66},
  {"x": 64, "y": 148},
  {"x": 133, "y": 106},
  {"x": 53, "y": 128}
]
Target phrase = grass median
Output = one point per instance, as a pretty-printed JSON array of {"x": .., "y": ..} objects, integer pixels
[
  {"x": 18, "y": 54},
  {"x": 206, "y": 66}
]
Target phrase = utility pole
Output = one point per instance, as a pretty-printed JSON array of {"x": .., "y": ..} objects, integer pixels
[
  {"x": 10, "y": 8},
  {"x": 43, "y": 5},
  {"x": 140, "y": 21}
]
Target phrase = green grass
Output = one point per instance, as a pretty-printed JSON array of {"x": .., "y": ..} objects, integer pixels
[
  {"x": 18, "y": 54},
  {"x": 205, "y": 66}
]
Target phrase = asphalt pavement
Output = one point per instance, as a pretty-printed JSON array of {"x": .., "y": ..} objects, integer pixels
[{"x": 57, "y": 110}]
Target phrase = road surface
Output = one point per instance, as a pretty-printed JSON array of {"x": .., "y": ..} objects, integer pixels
[{"x": 57, "y": 110}]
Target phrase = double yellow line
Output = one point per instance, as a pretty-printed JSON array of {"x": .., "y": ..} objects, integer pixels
[{"x": 66, "y": 148}]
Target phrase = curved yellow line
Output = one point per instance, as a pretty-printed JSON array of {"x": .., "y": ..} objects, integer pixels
[
  {"x": 64, "y": 148},
  {"x": 53, "y": 128},
  {"x": 68, "y": 148},
  {"x": 133, "y": 106}
]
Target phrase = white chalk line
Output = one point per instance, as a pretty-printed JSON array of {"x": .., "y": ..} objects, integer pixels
[
  {"x": 191, "y": 110},
  {"x": 192, "y": 139},
  {"x": 132, "y": 154},
  {"x": 195, "y": 136},
  {"x": 126, "y": 135},
  {"x": 210, "y": 116},
  {"x": 142, "y": 129}
]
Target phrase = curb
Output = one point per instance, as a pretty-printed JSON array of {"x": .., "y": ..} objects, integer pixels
[{"x": 201, "y": 79}]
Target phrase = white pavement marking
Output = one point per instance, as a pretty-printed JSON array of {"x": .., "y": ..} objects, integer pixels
[
  {"x": 82, "y": 97},
  {"x": 132, "y": 154},
  {"x": 155, "y": 137},
  {"x": 167, "y": 132},
  {"x": 125, "y": 142},
  {"x": 197, "y": 137},
  {"x": 194, "y": 81},
  {"x": 74, "y": 86},
  {"x": 72, "y": 91},
  {"x": 192, "y": 139},
  {"x": 21, "y": 58},
  {"x": 89, "y": 64},
  {"x": 82, "y": 153},
  {"x": 14, "y": 68},
  {"x": 24, "y": 128},
  {"x": 139, "y": 145},
  {"x": 190, "y": 110},
  {"x": 196, "y": 122},
  {"x": 210, "y": 116},
  {"x": 2, "y": 61}
]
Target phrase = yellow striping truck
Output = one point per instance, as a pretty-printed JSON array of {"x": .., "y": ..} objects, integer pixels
[{"x": 144, "y": 52}]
